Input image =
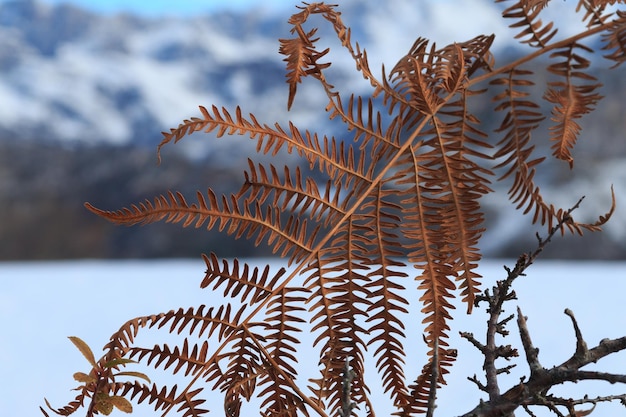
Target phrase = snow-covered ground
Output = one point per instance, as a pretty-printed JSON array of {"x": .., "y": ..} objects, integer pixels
[{"x": 42, "y": 303}]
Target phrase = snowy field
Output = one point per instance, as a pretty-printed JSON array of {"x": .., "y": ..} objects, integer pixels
[{"x": 42, "y": 303}]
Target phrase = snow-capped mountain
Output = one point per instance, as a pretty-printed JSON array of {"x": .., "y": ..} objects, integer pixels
[
  {"x": 71, "y": 76},
  {"x": 67, "y": 74}
]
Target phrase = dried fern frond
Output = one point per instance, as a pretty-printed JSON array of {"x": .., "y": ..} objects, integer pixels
[
  {"x": 571, "y": 101},
  {"x": 595, "y": 14},
  {"x": 292, "y": 196},
  {"x": 229, "y": 215},
  {"x": 283, "y": 319},
  {"x": 255, "y": 288},
  {"x": 163, "y": 398},
  {"x": 191, "y": 360},
  {"x": 301, "y": 59},
  {"x": 522, "y": 117},
  {"x": 615, "y": 39},
  {"x": 526, "y": 13},
  {"x": 401, "y": 190}
]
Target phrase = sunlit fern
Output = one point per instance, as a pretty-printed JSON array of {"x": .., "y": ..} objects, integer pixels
[{"x": 404, "y": 192}]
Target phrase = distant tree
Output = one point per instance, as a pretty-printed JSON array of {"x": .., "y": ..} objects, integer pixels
[{"x": 396, "y": 224}]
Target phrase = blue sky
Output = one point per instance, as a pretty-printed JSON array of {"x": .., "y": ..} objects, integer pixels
[{"x": 177, "y": 7}]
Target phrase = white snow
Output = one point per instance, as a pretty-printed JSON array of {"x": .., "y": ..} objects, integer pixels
[{"x": 44, "y": 302}]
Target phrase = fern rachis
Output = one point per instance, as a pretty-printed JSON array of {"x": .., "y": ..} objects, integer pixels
[{"x": 405, "y": 193}]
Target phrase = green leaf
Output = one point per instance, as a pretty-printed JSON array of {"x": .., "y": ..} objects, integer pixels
[
  {"x": 105, "y": 407},
  {"x": 118, "y": 361},
  {"x": 121, "y": 404},
  {"x": 134, "y": 374},
  {"x": 83, "y": 377},
  {"x": 103, "y": 403},
  {"x": 84, "y": 349}
]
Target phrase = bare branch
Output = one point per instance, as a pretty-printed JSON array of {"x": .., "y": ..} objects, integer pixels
[
  {"x": 346, "y": 400},
  {"x": 532, "y": 353},
  {"x": 532, "y": 391},
  {"x": 434, "y": 377},
  {"x": 581, "y": 346}
]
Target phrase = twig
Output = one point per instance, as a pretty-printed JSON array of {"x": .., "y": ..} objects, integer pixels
[
  {"x": 479, "y": 384},
  {"x": 346, "y": 388},
  {"x": 532, "y": 353},
  {"x": 532, "y": 392},
  {"x": 581, "y": 346},
  {"x": 434, "y": 377}
]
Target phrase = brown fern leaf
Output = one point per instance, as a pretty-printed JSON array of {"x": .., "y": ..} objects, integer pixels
[
  {"x": 435, "y": 284},
  {"x": 291, "y": 196},
  {"x": 327, "y": 152},
  {"x": 214, "y": 319},
  {"x": 280, "y": 402},
  {"x": 68, "y": 409},
  {"x": 284, "y": 316},
  {"x": 232, "y": 217},
  {"x": 221, "y": 122},
  {"x": 448, "y": 173},
  {"x": 387, "y": 330},
  {"x": 340, "y": 292},
  {"x": 339, "y": 298},
  {"x": 281, "y": 397},
  {"x": 337, "y": 160},
  {"x": 424, "y": 388},
  {"x": 603, "y": 219},
  {"x": 465, "y": 182},
  {"x": 615, "y": 39},
  {"x": 388, "y": 307},
  {"x": 526, "y": 14},
  {"x": 538, "y": 4},
  {"x": 404, "y": 193},
  {"x": 450, "y": 66},
  {"x": 163, "y": 399},
  {"x": 415, "y": 79},
  {"x": 395, "y": 87},
  {"x": 436, "y": 72},
  {"x": 239, "y": 381},
  {"x": 193, "y": 360},
  {"x": 190, "y": 406},
  {"x": 254, "y": 288},
  {"x": 578, "y": 227},
  {"x": 328, "y": 12},
  {"x": 301, "y": 59},
  {"x": 521, "y": 118},
  {"x": 570, "y": 101},
  {"x": 594, "y": 12},
  {"x": 477, "y": 54},
  {"x": 367, "y": 128}
]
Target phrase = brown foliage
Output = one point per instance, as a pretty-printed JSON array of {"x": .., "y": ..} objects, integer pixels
[{"x": 405, "y": 192}]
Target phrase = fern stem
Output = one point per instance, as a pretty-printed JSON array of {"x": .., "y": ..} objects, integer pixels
[
  {"x": 538, "y": 53},
  {"x": 287, "y": 378},
  {"x": 296, "y": 271}
]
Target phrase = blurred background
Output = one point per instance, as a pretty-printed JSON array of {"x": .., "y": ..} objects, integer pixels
[{"x": 86, "y": 87}]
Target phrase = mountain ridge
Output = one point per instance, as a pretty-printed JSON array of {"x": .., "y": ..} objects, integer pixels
[
  {"x": 123, "y": 78},
  {"x": 105, "y": 86}
]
